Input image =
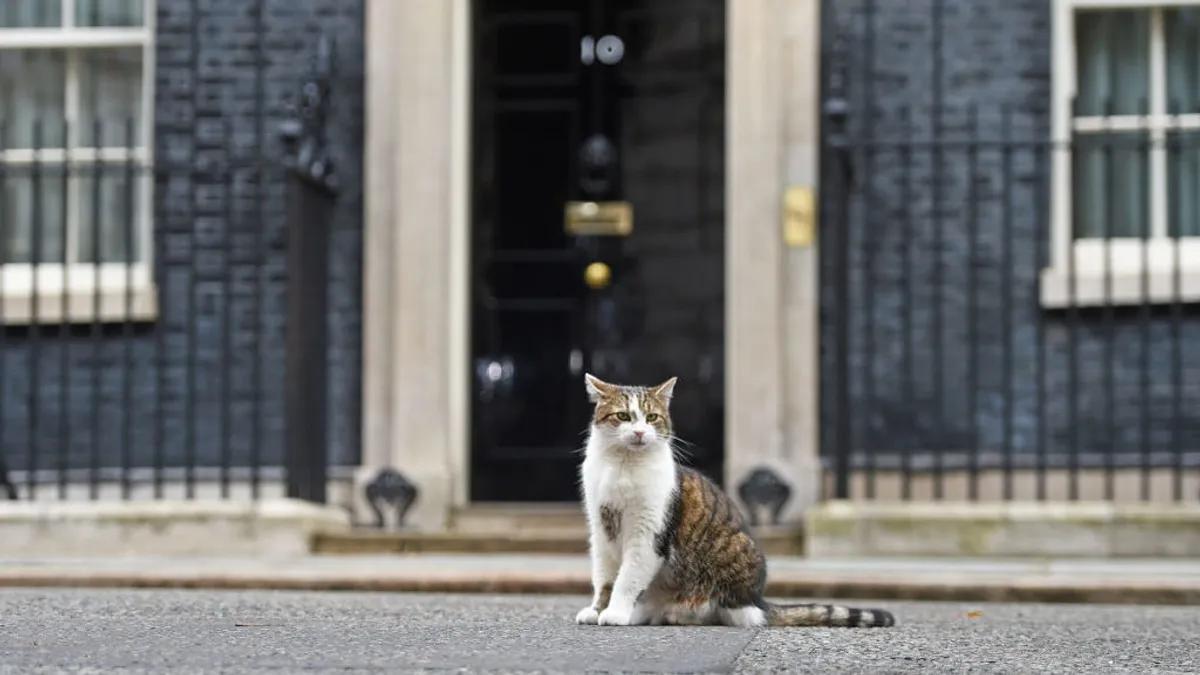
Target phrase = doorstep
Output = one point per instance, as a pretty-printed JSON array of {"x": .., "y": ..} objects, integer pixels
[{"x": 507, "y": 528}]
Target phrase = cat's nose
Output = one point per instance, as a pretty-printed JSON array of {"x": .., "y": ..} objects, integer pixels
[{"x": 638, "y": 435}]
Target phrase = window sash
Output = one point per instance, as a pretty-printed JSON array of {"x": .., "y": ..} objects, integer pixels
[
  {"x": 1158, "y": 122},
  {"x": 1083, "y": 264},
  {"x": 68, "y": 14},
  {"x": 69, "y": 34},
  {"x": 1092, "y": 124},
  {"x": 108, "y": 154},
  {"x": 72, "y": 39}
]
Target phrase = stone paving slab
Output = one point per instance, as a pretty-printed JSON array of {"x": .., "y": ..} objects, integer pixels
[{"x": 1138, "y": 581}]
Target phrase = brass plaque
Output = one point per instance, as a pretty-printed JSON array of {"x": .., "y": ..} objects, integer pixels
[
  {"x": 598, "y": 219},
  {"x": 799, "y": 216}
]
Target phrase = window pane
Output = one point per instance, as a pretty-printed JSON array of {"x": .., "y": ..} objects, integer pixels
[
  {"x": 30, "y": 13},
  {"x": 30, "y": 222},
  {"x": 1113, "y": 52},
  {"x": 110, "y": 91},
  {"x": 108, "y": 12},
  {"x": 1183, "y": 59},
  {"x": 1183, "y": 184},
  {"x": 112, "y": 208},
  {"x": 31, "y": 90},
  {"x": 1111, "y": 176}
]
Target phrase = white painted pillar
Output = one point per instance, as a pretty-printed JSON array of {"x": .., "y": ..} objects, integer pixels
[
  {"x": 415, "y": 278},
  {"x": 772, "y": 310}
]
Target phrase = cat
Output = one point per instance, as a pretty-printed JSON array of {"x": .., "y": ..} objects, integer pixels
[{"x": 667, "y": 546}]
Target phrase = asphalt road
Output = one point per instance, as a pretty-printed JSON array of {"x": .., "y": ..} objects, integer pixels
[{"x": 197, "y": 631}]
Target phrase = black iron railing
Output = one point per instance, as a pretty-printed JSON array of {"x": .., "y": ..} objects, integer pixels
[
  {"x": 1012, "y": 316},
  {"x": 144, "y": 334},
  {"x": 99, "y": 376},
  {"x": 1011, "y": 282}
]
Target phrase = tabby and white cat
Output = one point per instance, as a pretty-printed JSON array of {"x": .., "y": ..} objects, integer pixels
[{"x": 667, "y": 546}]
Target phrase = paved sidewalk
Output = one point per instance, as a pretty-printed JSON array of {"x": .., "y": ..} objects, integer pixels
[
  {"x": 167, "y": 631},
  {"x": 1127, "y": 581}
]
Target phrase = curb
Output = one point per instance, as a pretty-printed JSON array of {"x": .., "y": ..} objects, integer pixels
[
  {"x": 1020, "y": 590},
  {"x": 541, "y": 585},
  {"x": 1025, "y": 590}
]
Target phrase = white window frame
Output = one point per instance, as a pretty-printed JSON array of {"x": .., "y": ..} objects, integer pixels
[
  {"x": 1114, "y": 271},
  {"x": 81, "y": 293}
]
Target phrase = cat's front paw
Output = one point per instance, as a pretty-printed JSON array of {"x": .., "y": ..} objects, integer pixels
[
  {"x": 615, "y": 616},
  {"x": 587, "y": 615}
]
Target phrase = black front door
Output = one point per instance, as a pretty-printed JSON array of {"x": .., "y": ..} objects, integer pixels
[{"x": 592, "y": 106}]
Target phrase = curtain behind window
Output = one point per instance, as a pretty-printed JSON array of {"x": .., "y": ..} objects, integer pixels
[
  {"x": 1183, "y": 96},
  {"x": 1111, "y": 169},
  {"x": 31, "y": 90},
  {"x": 30, "y": 13},
  {"x": 108, "y": 12},
  {"x": 31, "y": 93},
  {"x": 32, "y": 211}
]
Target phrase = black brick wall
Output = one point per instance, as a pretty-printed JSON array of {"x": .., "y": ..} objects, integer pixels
[
  {"x": 207, "y": 190},
  {"x": 995, "y": 57}
]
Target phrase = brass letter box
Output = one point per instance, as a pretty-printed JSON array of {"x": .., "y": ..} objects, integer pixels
[{"x": 604, "y": 219}]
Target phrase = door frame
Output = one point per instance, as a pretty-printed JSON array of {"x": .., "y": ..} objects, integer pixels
[{"x": 416, "y": 351}]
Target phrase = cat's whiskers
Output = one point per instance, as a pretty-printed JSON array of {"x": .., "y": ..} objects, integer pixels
[
  {"x": 676, "y": 439},
  {"x": 678, "y": 451}
]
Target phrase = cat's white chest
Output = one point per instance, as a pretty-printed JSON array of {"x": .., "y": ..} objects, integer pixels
[
  {"x": 621, "y": 488},
  {"x": 638, "y": 491}
]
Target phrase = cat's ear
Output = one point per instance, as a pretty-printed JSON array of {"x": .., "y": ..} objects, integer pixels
[
  {"x": 596, "y": 387},
  {"x": 665, "y": 390}
]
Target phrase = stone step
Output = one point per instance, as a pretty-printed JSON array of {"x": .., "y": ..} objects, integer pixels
[
  {"x": 522, "y": 537},
  {"x": 373, "y": 542},
  {"x": 518, "y": 517}
]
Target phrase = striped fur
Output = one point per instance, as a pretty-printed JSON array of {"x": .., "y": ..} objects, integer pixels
[
  {"x": 827, "y": 615},
  {"x": 667, "y": 545}
]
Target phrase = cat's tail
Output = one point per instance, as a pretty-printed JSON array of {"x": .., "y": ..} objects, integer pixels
[{"x": 827, "y": 615}]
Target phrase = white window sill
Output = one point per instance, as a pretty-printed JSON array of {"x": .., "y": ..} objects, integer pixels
[
  {"x": 1124, "y": 272},
  {"x": 111, "y": 296}
]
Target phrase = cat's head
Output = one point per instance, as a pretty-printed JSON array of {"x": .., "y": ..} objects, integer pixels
[{"x": 636, "y": 418}]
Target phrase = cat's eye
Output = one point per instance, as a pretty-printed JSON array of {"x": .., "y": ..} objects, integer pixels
[
  {"x": 651, "y": 417},
  {"x": 623, "y": 416}
]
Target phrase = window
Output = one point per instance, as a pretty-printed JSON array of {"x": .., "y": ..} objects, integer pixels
[
  {"x": 1127, "y": 192},
  {"x": 76, "y": 109}
]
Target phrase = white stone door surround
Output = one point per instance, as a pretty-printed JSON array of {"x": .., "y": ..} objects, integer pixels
[{"x": 416, "y": 349}]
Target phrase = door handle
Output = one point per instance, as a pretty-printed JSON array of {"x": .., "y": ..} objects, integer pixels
[{"x": 597, "y": 276}]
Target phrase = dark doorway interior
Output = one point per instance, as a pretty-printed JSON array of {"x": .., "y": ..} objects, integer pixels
[{"x": 620, "y": 103}]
